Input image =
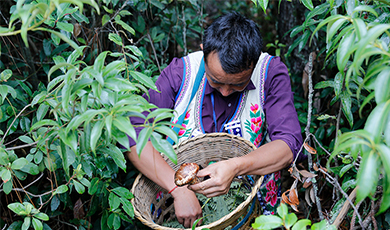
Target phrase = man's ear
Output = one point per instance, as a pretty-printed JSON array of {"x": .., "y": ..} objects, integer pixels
[{"x": 201, "y": 46}]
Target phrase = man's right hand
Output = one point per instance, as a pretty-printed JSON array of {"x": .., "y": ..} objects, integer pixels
[{"x": 187, "y": 207}]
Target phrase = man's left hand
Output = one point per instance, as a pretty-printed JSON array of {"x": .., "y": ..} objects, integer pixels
[{"x": 221, "y": 176}]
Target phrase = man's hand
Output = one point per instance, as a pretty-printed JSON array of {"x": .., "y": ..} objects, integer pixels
[
  {"x": 221, "y": 176},
  {"x": 187, "y": 207}
]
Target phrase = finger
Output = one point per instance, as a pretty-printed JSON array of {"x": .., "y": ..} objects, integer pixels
[
  {"x": 204, "y": 172},
  {"x": 187, "y": 222}
]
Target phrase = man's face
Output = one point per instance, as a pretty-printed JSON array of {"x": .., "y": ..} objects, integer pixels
[{"x": 225, "y": 83}]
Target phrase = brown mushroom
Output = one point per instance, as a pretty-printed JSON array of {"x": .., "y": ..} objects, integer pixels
[{"x": 186, "y": 174}]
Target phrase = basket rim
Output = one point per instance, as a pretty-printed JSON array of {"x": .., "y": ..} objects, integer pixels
[{"x": 244, "y": 204}]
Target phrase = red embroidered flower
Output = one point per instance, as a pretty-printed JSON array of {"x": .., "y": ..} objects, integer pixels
[
  {"x": 277, "y": 175},
  {"x": 271, "y": 196},
  {"x": 254, "y": 108}
]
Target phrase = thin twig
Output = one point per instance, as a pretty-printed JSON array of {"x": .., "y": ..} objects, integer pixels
[
  {"x": 21, "y": 146},
  {"x": 333, "y": 181},
  {"x": 354, "y": 216},
  {"x": 154, "y": 51},
  {"x": 307, "y": 131},
  {"x": 184, "y": 30},
  {"x": 63, "y": 222},
  {"x": 5, "y": 134},
  {"x": 40, "y": 176}
]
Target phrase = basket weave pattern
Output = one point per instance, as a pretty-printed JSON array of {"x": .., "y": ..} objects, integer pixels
[{"x": 201, "y": 150}]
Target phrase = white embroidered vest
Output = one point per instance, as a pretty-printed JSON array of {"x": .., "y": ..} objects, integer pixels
[{"x": 248, "y": 120}]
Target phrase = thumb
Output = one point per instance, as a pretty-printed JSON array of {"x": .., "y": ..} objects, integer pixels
[{"x": 203, "y": 173}]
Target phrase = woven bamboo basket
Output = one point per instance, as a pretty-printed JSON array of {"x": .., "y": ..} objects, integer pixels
[{"x": 202, "y": 150}]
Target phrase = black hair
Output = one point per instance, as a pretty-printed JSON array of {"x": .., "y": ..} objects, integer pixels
[{"x": 236, "y": 39}]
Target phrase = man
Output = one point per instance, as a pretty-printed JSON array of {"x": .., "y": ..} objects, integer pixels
[{"x": 240, "y": 87}]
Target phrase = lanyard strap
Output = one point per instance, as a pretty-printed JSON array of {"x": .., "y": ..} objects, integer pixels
[{"x": 215, "y": 117}]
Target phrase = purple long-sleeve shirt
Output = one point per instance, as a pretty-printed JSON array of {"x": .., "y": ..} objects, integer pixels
[{"x": 279, "y": 109}]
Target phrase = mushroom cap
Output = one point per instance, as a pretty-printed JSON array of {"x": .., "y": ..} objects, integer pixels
[{"x": 186, "y": 174}]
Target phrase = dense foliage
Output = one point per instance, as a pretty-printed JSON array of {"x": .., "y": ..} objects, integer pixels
[{"x": 72, "y": 72}]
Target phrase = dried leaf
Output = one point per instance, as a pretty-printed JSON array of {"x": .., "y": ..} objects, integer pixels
[
  {"x": 307, "y": 183},
  {"x": 293, "y": 197},
  {"x": 309, "y": 148},
  {"x": 312, "y": 195},
  {"x": 325, "y": 170},
  {"x": 315, "y": 167},
  {"x": 295, "y": 173},
  {"x": 76, "y": 29},
  {"x": 294, "y": 207},
  {"x": 306, "y": 173},
  {"x": 285, "y": 199},
  {"x": 307, "y": 197},
  {"x": 78, "y": 211}
]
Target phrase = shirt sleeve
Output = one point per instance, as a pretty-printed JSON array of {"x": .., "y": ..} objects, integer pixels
[
  {"x": 281, "y": 116},
  {"x": 168, "y": 83}
]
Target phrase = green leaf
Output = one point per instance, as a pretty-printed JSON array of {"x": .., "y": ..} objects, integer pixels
[
  {"x": 42, "y": 216},
  {"x": 123, "y": 192},
  {"x": 347, "y": 104},
  {"x": 308, "y": 4},
  {"x": 99, "y": 62},
  {"x": 290, "y": 220},
  {"x": 367, "y": 177},
  {"x": 45, "y": 122},
  {"x": 301, "y": 224},
  {"x": 377, "y": 120},
  {"x": 163, "y": 146},
  {"x": 30, "y": 168},
  {"x": 365, "y": 8},
  {"x": 333, "y": 27},
  {"x": 167, "y": 131},
  {"x": 345, "y": 169},
  {"x": 17, "y": 208},
  {"x": 324, "y": 84},
  {"x": 94, "y": 186},
  {"x": 79, "y": 187},
  {"x": 267, "y": 222},
  {"x": 26, "y": 223},
  {"x": 118, "y": 84},
  {"x": 60, "y": 35},
  {"x": 61, "y": 189},
  {"x": 26, "y": 139},
  {"x": 135, "y": 50},
  {"x": 282, "y": 211},
  {"x": 345, "y": 49},
  {"x": 323, "y": 225},
  {"x": 6, "y": 175},
  {"x": 7, "y": 187},
  {"x": 114, "y": 201},
  {"x": 65, "y": 26},
  {"x": 125, "y": 26},
  {"x": 5, "y": 74},
  {"x": 384, "y": 153},
  {"x": 157, "y": 4},
  {"x": 117, "y": 156},
  {"x": 19, "y": 163},
  {"x": 115, "y": 38},
  {"x": 96, "y": 133},
  {"x": 37, "y": 224},
  {"x": 142, "y": 78},
  {"x": 382, "y": 91},
  {"x": 127, "y": 207},
  {"x": 360, "y": 27},
  {"x": 124, "y": 125},
  {"x": 42, "y": 111}
]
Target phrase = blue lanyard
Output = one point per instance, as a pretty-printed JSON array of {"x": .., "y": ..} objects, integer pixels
[{"x": 215, "y": 117}]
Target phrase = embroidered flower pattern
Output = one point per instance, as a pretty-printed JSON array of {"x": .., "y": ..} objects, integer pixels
[
  {"x": 272, "y": 195},
  {"x": 255, "y": 125},
  {"x": 277, "y": 175},
  {"x": 184, "y": 132}
]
